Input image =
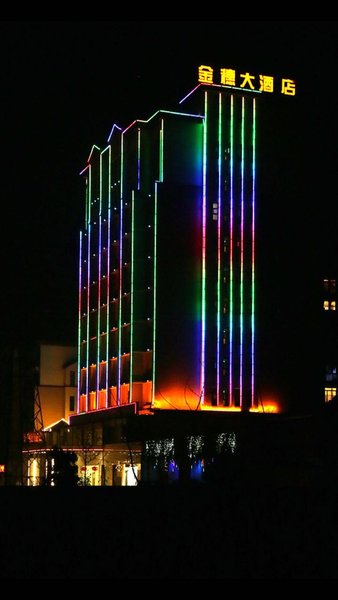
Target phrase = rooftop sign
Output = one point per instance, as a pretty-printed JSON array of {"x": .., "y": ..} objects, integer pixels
[{"x": 246, "y": 81}]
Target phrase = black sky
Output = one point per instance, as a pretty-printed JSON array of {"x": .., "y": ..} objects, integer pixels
[{"x": 65, "y": 83}]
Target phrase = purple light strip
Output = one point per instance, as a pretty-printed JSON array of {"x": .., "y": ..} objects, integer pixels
[
  {"x": 112, "y": 130},
  {"x": 189, "y": 94}
]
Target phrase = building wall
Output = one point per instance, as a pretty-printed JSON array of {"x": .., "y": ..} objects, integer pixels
[{"x": 58, "y": 383}]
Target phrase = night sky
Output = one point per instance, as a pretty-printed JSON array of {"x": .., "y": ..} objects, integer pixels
[{"x": 63, "y": 86}]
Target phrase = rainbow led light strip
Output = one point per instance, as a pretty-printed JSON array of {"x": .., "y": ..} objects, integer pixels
[
  {"x": 138, "y": 158},
  {"x": 132, "y": 258},
  {"x": 219, "y": 233},
  {"x": 112, "y": 131},
  {"x": 154, "y": 292},
  {"x": 119, "y": 357},
  {"x": 204, "y": 234},
  {"x": 79, "y": 337},
  {"x": 253, "y": 233},
  {"x": 98, "y": 331},
  {"x": 161, "y": 151},
  {"x": 108, "y": 275},
  {"x": 241, "y": 293},
  {"x": 231, "y": 258},
  {"x": 166, "y": 112},
  {"x": 88, "y": 280}
]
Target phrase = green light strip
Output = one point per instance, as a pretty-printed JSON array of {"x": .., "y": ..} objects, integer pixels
[
  {"x": 132, "y": 258},
  {"x": 161, "y": 150},
  {"x": 154, "y": 293}
]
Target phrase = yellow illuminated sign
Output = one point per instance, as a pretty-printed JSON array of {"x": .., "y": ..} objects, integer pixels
[
  {"x": 2, "y": 468},
  {"x": 246, "y": 81}
]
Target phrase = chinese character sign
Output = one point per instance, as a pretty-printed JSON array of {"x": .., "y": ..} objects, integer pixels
[{"x": 245, "y": 81}]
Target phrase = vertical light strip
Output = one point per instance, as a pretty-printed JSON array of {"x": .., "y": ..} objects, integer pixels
[
  {"x": 79, "y": 336},
  {"x": 253, "y": 234},
  {"x": 98, "y": 335},
  {"x": 108, "y": 278},
  {"x": 204, "y": 233},
  {"x": 119, "y": 357},
  {"x": 88, "y": 281},
  {"x": 219, "y": 233},
  {"x": 161, "y": 151},
  {"x": 138, "y": 158},
  {"x": 132, "y": 258},
  {"x": 241, "y": 293},
  {"x": 231, "y": 258},
  {"x": 154, "y": 293}
]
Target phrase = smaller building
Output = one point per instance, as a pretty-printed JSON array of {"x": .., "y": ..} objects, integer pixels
[
  {"x": 57, "y": 382},
  {"x": 329, "y": 343}
]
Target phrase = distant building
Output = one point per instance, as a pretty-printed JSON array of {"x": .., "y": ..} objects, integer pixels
[
  {"x": 57, "y": 382},
  {"x": 329, "y": 342}
]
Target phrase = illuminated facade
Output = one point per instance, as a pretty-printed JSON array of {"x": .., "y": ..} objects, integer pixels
[{"x": 167, "y": 260}]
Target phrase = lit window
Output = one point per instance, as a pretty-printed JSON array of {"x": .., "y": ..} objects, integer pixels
[
  {"x": 330, "y": 393},
  {"x": 330, "y": 373},
  {"x": 329, "y": 305}
]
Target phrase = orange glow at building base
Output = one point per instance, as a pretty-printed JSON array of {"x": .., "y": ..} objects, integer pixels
[{"x": 174, "y": 398}]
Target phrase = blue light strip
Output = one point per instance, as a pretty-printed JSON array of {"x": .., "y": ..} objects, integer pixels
[{"x": 112, "y": 131}]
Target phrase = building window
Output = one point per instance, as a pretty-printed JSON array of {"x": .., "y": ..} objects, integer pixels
[
  {"x": 72, "y": 378},
  {"x": 71, "y": 403},
  {"x": 329, "y": 286},
  {"x": 330, "y": 393},
  {"x": 330, "y": 373},
  {"x": 329, "y": 305}
]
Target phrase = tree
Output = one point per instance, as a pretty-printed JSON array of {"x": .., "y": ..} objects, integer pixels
[{"x": 64, "y": 469}]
